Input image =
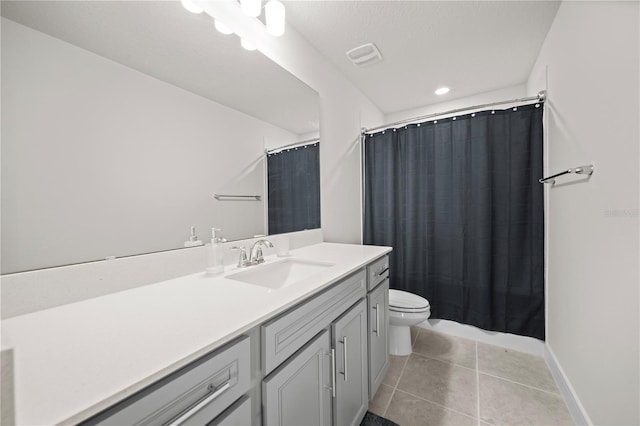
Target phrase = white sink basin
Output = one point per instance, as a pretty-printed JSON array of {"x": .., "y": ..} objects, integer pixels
[{"x": 280, "y": 274}]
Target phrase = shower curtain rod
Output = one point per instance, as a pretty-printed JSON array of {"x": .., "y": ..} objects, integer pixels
[
  {"x": 540, "y": 97},
  {"x": 301, "y": 143}
]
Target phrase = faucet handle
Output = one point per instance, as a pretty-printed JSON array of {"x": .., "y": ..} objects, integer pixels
[
  {"x": 242, "y": 258},
  {"x": 259, "y": 256}
]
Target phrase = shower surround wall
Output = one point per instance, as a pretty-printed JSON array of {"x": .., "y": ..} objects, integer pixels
[{"x": 590, "y": 65}]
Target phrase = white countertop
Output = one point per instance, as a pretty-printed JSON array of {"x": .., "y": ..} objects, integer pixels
[{"x": 74, "y": 360}]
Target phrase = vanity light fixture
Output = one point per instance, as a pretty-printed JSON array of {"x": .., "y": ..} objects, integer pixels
[
  {"x": 222, "y": 27},
  {"x": 275, "y": 13},
  {"x": 442, "y": 91},
  {"x": 251, "y": 8},
  {"x": 274, "y": 17},
  {"x": 191, "y": 6}
]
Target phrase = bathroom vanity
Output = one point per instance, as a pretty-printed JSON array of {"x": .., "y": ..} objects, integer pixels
[{"x": 236, "y": 349}]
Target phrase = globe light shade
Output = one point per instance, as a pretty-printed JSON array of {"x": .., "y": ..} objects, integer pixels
[
  {"x": 191, "y": 6},
  {"x": 275, "y": 17},
  {"x": 222, "y": 27},
  {"x": 251, "y": 7},
  {"x": 245, "y": 44}
]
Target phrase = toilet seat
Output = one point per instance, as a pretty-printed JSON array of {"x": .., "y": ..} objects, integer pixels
[{"x": 403, "y": 301}]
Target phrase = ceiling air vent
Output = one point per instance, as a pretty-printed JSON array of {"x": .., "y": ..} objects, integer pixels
[{"x": 366, "y": 54}]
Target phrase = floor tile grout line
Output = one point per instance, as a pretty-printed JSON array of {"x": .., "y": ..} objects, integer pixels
[
  {"x": 395, "y": 387},
  {"x": 445, "y": 361},
  {"x": 478, "y": 367},
  {"x": 436, "y": 403},
  {"x": 521, "y": 384},
  {"x": 477, "y": 384}
]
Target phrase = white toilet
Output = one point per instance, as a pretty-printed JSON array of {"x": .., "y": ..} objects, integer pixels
[{"x": 405, "y": 309}]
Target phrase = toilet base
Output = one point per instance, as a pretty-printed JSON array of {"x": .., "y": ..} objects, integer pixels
[{"x": 400, "y": 340}]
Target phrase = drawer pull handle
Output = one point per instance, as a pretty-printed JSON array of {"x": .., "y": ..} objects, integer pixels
[
  {"x": 332, "y": 388},
  {"x": 333, "y": 373},
  {"x": 377, "y": 308},
  {"x": 344, "y": 355},
  {"x": 193, "y": 410},
  {"x": 383, "y": 270}
]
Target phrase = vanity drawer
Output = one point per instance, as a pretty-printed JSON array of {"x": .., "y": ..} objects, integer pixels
[
  {"x": 239, "y": 414},
  {"x": 196, "y": 394},
  {"x": 377, "y": 272},
  {"x": 284, "y": 335}
]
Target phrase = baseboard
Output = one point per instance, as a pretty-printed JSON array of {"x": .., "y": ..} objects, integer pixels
[{"x": 578, "y": 414}]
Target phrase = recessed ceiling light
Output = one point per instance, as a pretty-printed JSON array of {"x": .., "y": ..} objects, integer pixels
[{"x": 442, "y": 90}]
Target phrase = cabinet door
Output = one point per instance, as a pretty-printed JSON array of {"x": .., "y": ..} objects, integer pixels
[
  {"x": 299, "y": 392},
  {"x": 378, "y": 304},
  {"x": 350, "y": 344}
]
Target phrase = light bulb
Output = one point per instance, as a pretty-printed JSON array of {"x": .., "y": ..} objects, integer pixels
[
  {"x": 251, "y": 7},
  {"x": 442, "y": 91},
  {"x": 191, "y": 6},
  {"x": 222, "y": 27},
  {"x": 275, "y": 17},
  {"x": 247, "y": 45}
]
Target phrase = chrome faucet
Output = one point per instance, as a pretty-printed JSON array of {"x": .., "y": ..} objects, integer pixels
[
  {"x": 256, "y": 257},
  {"x": 256, "y": 251}
]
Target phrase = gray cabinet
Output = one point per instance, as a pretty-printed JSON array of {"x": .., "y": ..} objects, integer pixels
[
  {"x": 239, "y": 414},
  {"x": 377, "y": 271},
  {"x": 349, "y": 335},
  {"x": 318, "y": 363},
  {"x": 193, "y": 395},
  {"x": 299, "y": 392},
  {"x": 378, "y": 321},
  {"x": 323, "y": 383},
  {"x": 378, "y": 328},
  {"x": 285, "y": 334}
]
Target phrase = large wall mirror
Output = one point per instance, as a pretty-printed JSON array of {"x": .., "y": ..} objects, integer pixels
[{"x": 121, "y": 120}]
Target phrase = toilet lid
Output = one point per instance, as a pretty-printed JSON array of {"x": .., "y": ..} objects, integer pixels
[{"x": 404, "y": 300}]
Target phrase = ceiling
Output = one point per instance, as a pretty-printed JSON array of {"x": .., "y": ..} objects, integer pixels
[
  {"x": 469, "y": 46},
  {"x": 163, "y": 40}
]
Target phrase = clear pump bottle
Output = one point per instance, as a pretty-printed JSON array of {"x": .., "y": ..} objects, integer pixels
[{"x": 215, "y": 253}]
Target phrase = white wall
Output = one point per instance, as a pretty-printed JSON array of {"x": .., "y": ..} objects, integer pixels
[
  {"x": 590, "y": 63},
  {"x": 100, "y": 160}
]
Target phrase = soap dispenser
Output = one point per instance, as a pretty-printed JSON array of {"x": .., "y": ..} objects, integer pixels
[
  {"x": 215, "y": 253},
  {"x": 193, "y": 240}
]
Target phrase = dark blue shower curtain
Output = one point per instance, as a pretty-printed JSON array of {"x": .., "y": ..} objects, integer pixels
[
  {"x": 459, "y": 201},
  {"x": 293, "y": 180}
]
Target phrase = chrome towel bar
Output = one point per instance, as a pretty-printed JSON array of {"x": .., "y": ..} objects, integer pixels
[
  {"x": 580, "y": 170},
  {"x": 223, "y": 197}
]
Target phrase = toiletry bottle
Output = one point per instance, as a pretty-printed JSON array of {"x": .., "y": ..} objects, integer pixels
[
  {"x": 215, "y": 253},
  {"x": 193, "y": 239}
]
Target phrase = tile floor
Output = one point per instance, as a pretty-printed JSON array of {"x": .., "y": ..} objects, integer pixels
[{"x": 449, "y": 380}]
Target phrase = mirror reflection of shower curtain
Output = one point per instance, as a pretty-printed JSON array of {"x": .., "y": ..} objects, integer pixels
[
  {"x": 293, "y": 179},
  {"x": 460, "y": 203}
]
